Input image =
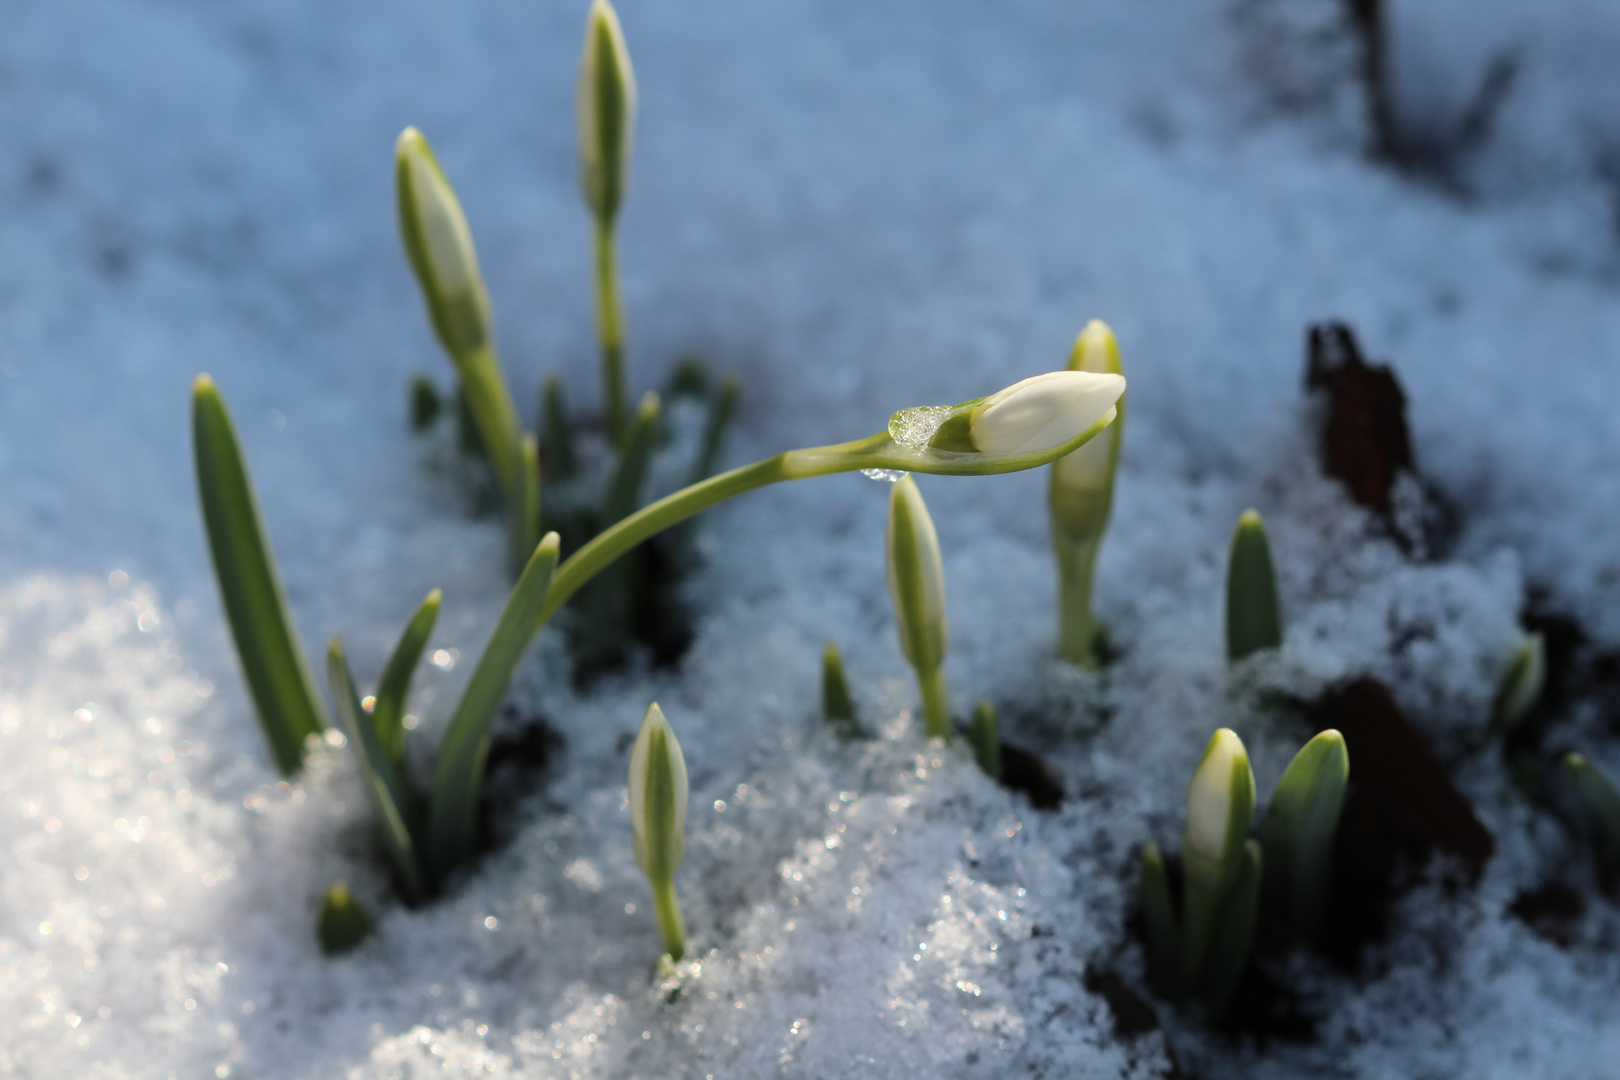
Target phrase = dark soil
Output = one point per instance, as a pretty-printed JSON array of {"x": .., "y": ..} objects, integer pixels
[
  {"x": 1024, "y": 772},
  {"x": 523, "y": 749}
]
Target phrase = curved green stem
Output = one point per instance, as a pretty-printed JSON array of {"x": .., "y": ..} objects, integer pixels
[
  {"x": 610, "y": 327},
  {"x": 670, "y": 926}
]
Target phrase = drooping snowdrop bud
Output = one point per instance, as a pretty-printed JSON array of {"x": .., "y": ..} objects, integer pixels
[
  {"x": 1522, "y": 681},
  {"x": 1042, "y": 412},
  {"x": 917, "y": 586},
  {"x": 606, "y": 108},
  {"x": 440, "y": 247},
  {"x": 1253, "y": 618},
  {"x": 1220, "y": 808},
  {"x": 1299, "y": 828}
]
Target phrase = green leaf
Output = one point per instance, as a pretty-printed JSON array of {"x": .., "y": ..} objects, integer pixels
[
  {"x": 525, "y": 510},
  {"x": 1234, "y": 933},
  {"x": 624, "y": 494},
  {"x": 1520, "y": 687},
  {"x": 1159, "y": 921},
  {"x": 714, "y": 431},
  {"x": 836, "y": 705},
  {"x": 343, "y": 923},
  {"x": 1601, "y": 802},
  {"x": 984, "y": 732},
  {"x": 388, "y": 715},
  {"x": 1253, "y": 620},
  {"x": 278, "y": 677},
  {"x": 452, "y": 823},
  {"x": 559, "y": 432},
  {"x": 1299, "y": 829},
  {"x": 389, "y": 796}
]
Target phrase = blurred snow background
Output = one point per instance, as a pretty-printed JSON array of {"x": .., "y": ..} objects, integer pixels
[{"x": 855, "y": 208}]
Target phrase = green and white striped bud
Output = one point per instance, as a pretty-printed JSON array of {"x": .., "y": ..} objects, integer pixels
[
  {"x": 440, "y": 247},
  {"x": 606, "y": 109},
  {"x": 1299, "y": 828},
  {"x": 658, "y": 796},
  {"x": 1253, "y": 617},
  {"x": 917, "y": 586},
  {"x": 1601, "y": 804},
  {"x": 1523, "y": 679},
  {"x": 1220, "y": 808}
]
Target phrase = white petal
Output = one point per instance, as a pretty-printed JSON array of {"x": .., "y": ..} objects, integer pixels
[
  {"x": 1044, "y": 411},
  {"x": 1209, "y": 797}
]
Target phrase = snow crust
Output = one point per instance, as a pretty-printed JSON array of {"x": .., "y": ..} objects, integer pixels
[{"x": 857, "y": 208}]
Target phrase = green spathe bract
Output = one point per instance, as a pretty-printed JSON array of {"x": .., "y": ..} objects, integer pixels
[
  {"x": 658, "y": 795},
  {"x": 1253, "y": 619},
  {"x": 1299, "y": 828},
  {"x": 1523, "y": 679},
  {"x": 917, "y": 587},
  {"x": 273, "y": 664},
  {"x": 1220, "y": 808},
  {"x": 343, "y": 923},
  {"x": 1601, "y": 804},
  {"x": 836, "y": 706},
  {"x": 984, "y": 733},
  {"x": 451, "y": 830},
  {"x": 1080, "y": 497},
  {"x": 388, "y": 714}
]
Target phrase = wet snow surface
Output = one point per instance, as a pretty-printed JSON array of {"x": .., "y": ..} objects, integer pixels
[{"x": 856, "y": 208}]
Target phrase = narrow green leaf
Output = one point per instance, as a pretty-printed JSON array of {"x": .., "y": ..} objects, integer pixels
[
  {"x": 272, "y": 657},
  {"x": 388, "y": 715},
  {"x": 425, "y": 404},
  {"x": 836, "y": 704},
  {"x": 389, "y": 796},
  {"x": 984, "y": 732},
  {"x": 559, "y": 432},
  {"x": 452, "y": 822},
  {"x": 689, "y": 379},
  {"x": 1253, "y": 619},
  {"x": 1520, "y": 687},
  {"x": 525, "y": 509},
  {"x": 1234, "y": 935},
  {"x": 714, "y": 432},
  {"x": 624, "y": 494},
  {"x": 1299, "y": 829},
  {"x": 343, "y": 923},
  {"x": 1159, "y": 921},
  {"x": 1601, "y": 802}
]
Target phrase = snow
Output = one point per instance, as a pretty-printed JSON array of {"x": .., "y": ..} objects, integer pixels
[{"x": 856, "y": 208}]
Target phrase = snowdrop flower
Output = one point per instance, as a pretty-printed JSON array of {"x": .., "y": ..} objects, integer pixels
[
  {"x": 606, "y": 109},
  {"x": 1220, "y": 808},
  {"x": 917, "y": 586},
  {"x": 1042, "y": 412},
  {"x": 658, "y": 795},
  {"x": 440, "y": 247}
]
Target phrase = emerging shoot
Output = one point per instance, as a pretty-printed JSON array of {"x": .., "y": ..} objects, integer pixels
[
  {"x": 1600, "y": 803},
  {"x": 917, "y": 586},
  {"x": 836, "y": 705},
  {"x": 1253, "y": 619},
  {"x": 1080, "y": 497},
  {"x": 1220, "y": 807},
  {"x": 343, "y": 923},
  {"x": 984, "y": 732},
  {"x": 1299, "y": 828},
  {"x": 1523, "y": 679},
  {"x": 658, "y": 794}
]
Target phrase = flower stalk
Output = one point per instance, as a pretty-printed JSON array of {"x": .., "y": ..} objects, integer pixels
[{"x": 1080, "y": 497}]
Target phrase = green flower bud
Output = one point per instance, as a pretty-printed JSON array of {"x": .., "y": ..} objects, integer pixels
[
  {"x": 1522, "y": 681},
  {"x": 916, "y": 577},
  {"x": 606, "y": 108},
  {"x": 1220, "y": 808},
  {"x": 343, "y": 923},
  {"x": 1253, "y": 619},
  {"x": 440, "y": 247},
  {"x": 1601, "y": 804},
  {"x": 1082, "y": 491},
  {"x": 658, "y": 794}
]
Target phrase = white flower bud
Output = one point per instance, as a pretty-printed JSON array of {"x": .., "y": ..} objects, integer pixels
[
  {"x": 1042, "y": 412},
  {"x": 1090, "y": 470},
  {"x": 658, "y": 794},
  {"x": 1220, "y": 806},
  {"x": 916, "y": 577},
  {"x": 440, "y": 246},
  {"x": 606, "y": 111}
]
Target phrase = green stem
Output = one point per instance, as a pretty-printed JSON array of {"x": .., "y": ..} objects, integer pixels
[
  {"x": 610, "y": 327},
  {"x": 936, "y": 698},
  {"x": 1078, "y": 631},
  {"x": 493, "y": 413},
  {"x": 669, "y": 917}
]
